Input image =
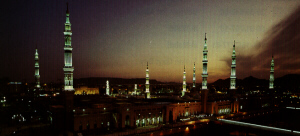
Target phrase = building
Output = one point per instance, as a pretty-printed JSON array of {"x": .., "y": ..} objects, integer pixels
[
  {"x": 84, "y": 90},
  {"x": 123, "y": 113}
]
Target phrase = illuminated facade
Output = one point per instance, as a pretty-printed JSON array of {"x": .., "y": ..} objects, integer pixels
[
  {"x": 147, "y": 82},
  {"x": 184, "y": 82},
  {"x": 194, "y": 76},
  {"x": 233, "y": 73},
  {"x": 68, "y": 68},
  {"x": 84, "y": 90},
  {"x": 204, "y": 70},
  {"x": 37, "y": 70},
  {"x": 103, "y": 115},
  {"x": 271, "y": 85},
  {"x": 107, "y": 87}
]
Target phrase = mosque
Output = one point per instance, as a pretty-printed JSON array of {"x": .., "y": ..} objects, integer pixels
[{"x": 82, "y": 113}]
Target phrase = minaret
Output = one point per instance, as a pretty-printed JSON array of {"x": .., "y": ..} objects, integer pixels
[
  {"x": 194, "y": 76},
  {"x": 107, "y": 87},
  {"x": 37, "y": 70},
  {"x": 233, "y": 73},
  {"x": 68, "y": 92},
  {"x": 184, "y": 82},
  {"x": 68, "y": 68},
  {"x": 204, "y": 91},
  {"x": 204, "y": 70},
  {"x": 271, "y": 86},
  {"x": 135, "y": 88},
  {"x": 147, "y": 83}
]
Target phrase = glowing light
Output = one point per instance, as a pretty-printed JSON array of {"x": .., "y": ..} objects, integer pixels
[
  {"x": 249, "y": 124},
  {"x": 187, "y": 129}
]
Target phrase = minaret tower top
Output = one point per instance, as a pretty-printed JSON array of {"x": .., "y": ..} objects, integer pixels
[
  {"x": 184, "y": 82},
  {"x": 271, "y": 85},
  {"x": 67, "y": 8},
  {"x": 37, "y": 70},
  {"x": 233, "y": 69},
  {"x": 194, "y": 76},
  {"x": 233, "y": 52},
  {"x": 147, "y": 85}
]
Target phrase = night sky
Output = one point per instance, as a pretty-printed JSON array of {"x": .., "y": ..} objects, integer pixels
[{"x": 116, "y": 38}]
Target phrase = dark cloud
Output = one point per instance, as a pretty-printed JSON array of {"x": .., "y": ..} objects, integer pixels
[{"x": 283, "y": 41}]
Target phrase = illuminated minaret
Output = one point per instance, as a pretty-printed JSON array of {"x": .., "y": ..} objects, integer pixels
[
  {"x": 204, "y": 91},
  {"x": 68, "y": 92},
  {"x": 147, "y": 83},
  {"x": 184, "y": 82},
  {"x": 194, "y": 76},
  {"x": 37, "y": 70},
  {"x": 68, "y": 68},
  {"x": 107, "y": 87},
  {"x": 135, "y": 88},
  {"x": 271, "y": 86},
  {"x": 233, "y": 73},
  {"x": 204, "y": 70}
]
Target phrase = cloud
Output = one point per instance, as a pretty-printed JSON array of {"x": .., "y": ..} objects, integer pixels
[{"x": 283, "y": 41}]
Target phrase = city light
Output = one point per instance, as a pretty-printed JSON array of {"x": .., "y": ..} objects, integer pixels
[
  {"x": 111, "y": 68},
  {"x": 261, "y": 126}
]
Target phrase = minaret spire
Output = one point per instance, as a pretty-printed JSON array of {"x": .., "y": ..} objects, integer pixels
[
  {"x": 194, "y": 76},
  {"x": 147, "y": 83},
  {"x": 68, "y": 68},
  {"x": 37, "y": 70},
  {"x": 184, "y": 82},
  {"x": 67, "y": 7},
  {"x": 271, "y": 85}
]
